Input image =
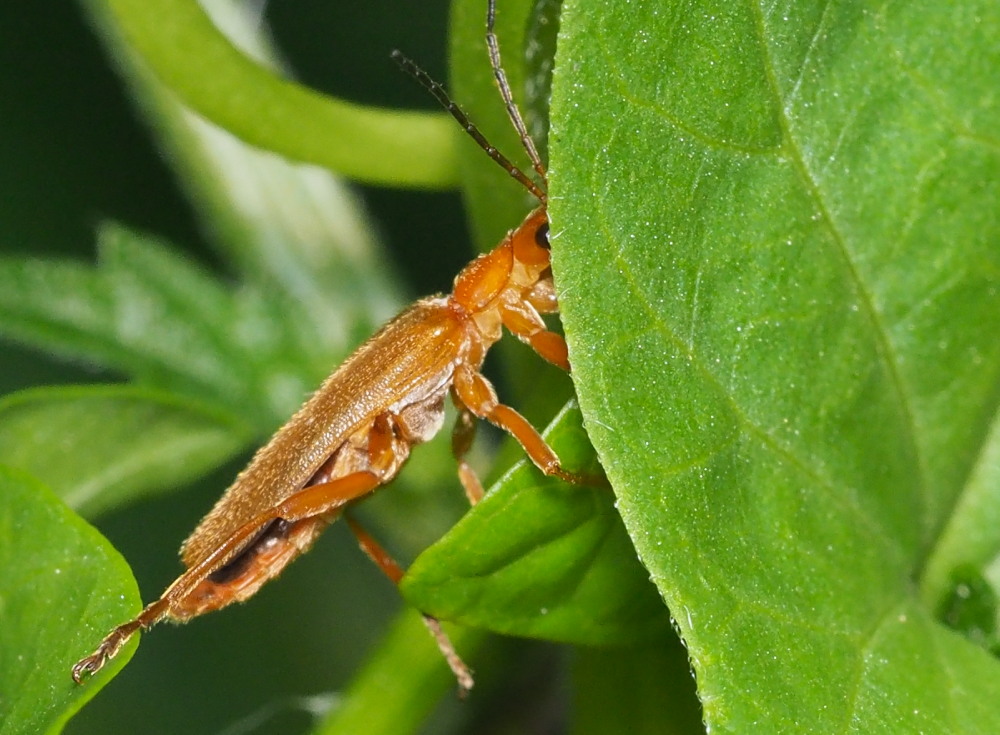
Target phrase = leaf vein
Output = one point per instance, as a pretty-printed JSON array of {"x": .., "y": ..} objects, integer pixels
[
  {"x": 617, "y": 76},
  {"x": 882, "y": 342}
]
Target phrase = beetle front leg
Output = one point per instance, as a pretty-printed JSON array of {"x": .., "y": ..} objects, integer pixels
[{"x": 523, "y": 321}]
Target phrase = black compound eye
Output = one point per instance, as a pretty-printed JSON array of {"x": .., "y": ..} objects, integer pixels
[{"x": 542, "y": 236}]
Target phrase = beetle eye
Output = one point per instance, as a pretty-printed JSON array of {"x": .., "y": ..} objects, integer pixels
[{"x": 542, "y": 236}]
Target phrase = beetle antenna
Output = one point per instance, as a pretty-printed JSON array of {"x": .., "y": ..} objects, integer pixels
[
  {"x": 427, "y": 82},
  {"x": 508, "y": 97}
]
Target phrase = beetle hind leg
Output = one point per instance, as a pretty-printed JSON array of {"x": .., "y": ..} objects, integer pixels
[
  {"x": 394, "y": 572},
  {"x": 113, "y": 642},
  {"x": 195, "y": 592}
]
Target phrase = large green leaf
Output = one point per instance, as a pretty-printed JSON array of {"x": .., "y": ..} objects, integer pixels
[
  {"x": 777, "y": 247},
  {"x": 63, "y": 587}
]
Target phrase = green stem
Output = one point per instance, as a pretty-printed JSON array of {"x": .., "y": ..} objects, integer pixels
[
  {"x": 376, "y": 145},
  {"x": 401, "y": 683}
]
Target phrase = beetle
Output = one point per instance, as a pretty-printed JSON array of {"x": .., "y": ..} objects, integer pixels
[{"x": 356, "y": 431}]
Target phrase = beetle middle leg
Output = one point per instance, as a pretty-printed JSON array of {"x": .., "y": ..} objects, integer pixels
[
  {"x": 478, "y": 395},
  {"x": 390, "y": 567},
  {"x": 462, "y": 436}
]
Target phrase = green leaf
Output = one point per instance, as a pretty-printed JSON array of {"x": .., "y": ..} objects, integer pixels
[
  {"x": 969, "y": 546},
  {"x": 179, "y": 42},
  {"x": 777, "y": 247},
  {"x": 155, "y": 315},
  {"x": 100, "y": 446},
  {"x": 971, "y": 606},
  {"x": 540, "y": 42},
  {"x": 63, "y": 587},
  {"x": 540, "y": 558}
]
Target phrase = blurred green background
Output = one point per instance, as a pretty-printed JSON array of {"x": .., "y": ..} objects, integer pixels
[{"x": 74, "y": 151}]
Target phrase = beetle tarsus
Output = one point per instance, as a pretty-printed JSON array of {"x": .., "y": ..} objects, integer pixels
[
  {"x": 462, "y": 673},
  {"x": 90, "y": 665}
]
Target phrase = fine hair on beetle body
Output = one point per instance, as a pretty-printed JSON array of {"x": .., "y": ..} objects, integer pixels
[{"x": 356, "y": 431}]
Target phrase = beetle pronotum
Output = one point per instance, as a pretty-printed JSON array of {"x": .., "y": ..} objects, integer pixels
[{"x": 354, "y": 434}]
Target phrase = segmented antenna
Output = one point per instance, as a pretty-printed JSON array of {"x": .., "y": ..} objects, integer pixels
[
  {"x": 439, "y": 93},
  {"x": 508, "y": 98}
]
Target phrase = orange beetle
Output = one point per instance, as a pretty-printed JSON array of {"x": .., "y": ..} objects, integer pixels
[{"x": 354, "y": 434}]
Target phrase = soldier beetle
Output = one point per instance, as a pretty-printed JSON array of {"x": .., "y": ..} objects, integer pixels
[{"x": 355, "y": 433}]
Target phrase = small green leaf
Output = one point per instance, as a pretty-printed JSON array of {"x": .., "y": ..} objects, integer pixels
[
  {"x": 63, "y": 587},
  {"x": 59, "y": 307},
  {"x": 99, "y": 446},
  {"x": 144, "y": 309},
  {"x": 540, "y": 558}
]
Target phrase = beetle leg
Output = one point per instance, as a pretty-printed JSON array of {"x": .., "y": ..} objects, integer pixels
[
  {"x": 522, "y": 319},
  {"x": 476, "y": 392},
  {"x": 113, "y": 642},
  {"x": 383, "y": 446},
  {"x": 375, "y": 551},
  {"x": 461, "y": 441},
  {"x": 543, "y": 295},
  {"x": 394, "y": 572},
  {"x": 311, "y": 502},
  {"x": 550, "y": 346}
]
